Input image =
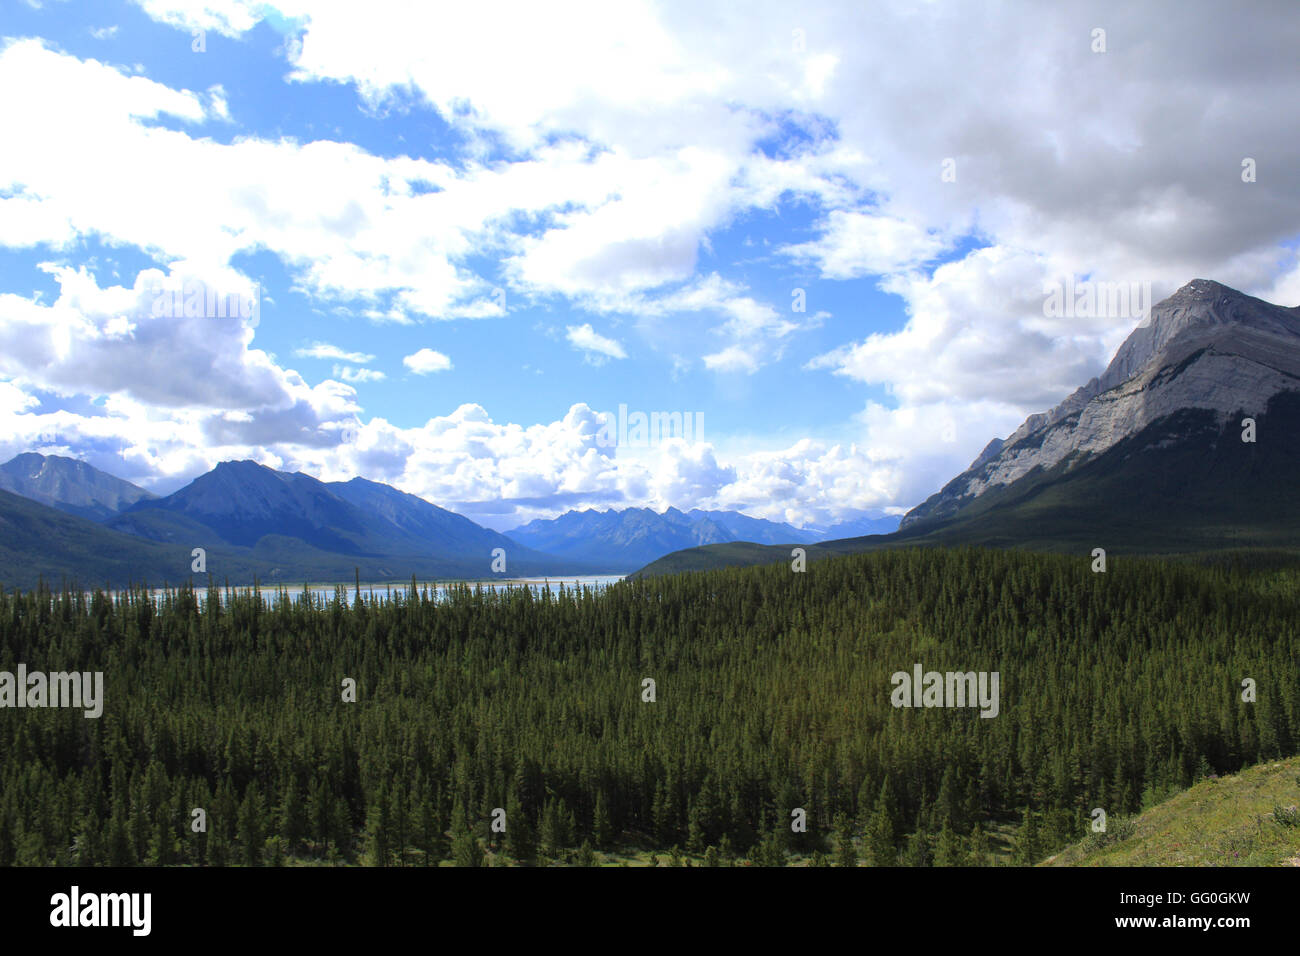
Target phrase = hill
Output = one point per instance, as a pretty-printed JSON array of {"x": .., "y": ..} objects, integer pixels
[
  {"x": 40, "y": 541},
  {"x": 1246, "y": 819}
]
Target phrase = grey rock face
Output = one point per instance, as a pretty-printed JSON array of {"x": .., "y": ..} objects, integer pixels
[{"x": 1206, "y": 346}]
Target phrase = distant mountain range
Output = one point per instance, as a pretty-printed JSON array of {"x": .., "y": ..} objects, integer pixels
[
  {"x": 250, "y": 520},
  {"x": 71, "y": 486},
  {"x": 1154, "y": 456},
  {"x": 626, "y": 539},
  {"x": 75, "y": 522},
  {"x": 1149, "y": 457}
]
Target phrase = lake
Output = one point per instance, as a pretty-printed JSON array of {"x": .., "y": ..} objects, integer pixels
[{"x": 381, "y": 592}]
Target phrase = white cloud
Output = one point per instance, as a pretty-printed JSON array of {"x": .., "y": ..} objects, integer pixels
[
  {"x": 733, "y": 359},
  {"x": 324, "y": 350},
  {"x": 228, "y": 17},
  {"x": 976, "y": 331},
  {"x": 427, "y": 361},
  {"x": 857, "y": 244},
  {"x": 637, "y": 130},
  {"x": 597, "y": 347}
]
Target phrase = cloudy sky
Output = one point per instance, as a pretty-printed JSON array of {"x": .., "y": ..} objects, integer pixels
[{"x": 465, "y": 233}]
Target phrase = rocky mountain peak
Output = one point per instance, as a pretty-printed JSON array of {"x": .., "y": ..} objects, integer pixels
[
  {"x": 1207, "y": 346},
  {"x": 1202, "y": 306}
]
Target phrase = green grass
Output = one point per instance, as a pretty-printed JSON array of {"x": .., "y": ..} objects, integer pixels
[{"x": 1228, "y": 821}]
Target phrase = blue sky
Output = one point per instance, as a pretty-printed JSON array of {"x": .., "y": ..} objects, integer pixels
[{"x": 474, "y": 232}]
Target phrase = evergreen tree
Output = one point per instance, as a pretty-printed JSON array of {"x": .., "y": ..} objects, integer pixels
[
  {"x": 948, "y": 851},
  {"x": 431, "y": 835},
  {"x": 293, "y": 816},
  {"x": 379, "y": 829},
  {"x": 521, "y": 842},
  {"x": 846, "y": 853},
  {"x": 602, "y": 825},
  {"x": 251, "y": 835},
  {"x": 120, "y": 851},
  {"x": 979, "y": 847},
  {"x": 465, "y": 848},
  {"x": 1028, "y": 848},
  {"x": 880, "y": 837}
]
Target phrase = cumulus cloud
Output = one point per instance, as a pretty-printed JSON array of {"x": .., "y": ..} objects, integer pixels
[
  {"x": 597, "y": 347},
  {"x": 427, "y": 361},
  {"x": 977, "y": 331},
  {"x": 857, "y": 244},
  {"x": 635, "y": 136},
  {"x": 733, "y": 358}
]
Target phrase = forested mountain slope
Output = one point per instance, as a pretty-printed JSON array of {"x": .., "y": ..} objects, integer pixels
[{"x": 773, "y": 691}]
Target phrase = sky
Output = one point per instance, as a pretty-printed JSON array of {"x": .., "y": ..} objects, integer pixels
[{"x": 441, "y": 245}]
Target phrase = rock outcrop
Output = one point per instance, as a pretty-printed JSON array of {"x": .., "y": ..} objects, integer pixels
[{"x": 1205, "y": 347}]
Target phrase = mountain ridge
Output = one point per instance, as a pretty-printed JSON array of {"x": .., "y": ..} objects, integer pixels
[
  {"x": 252, "y": 521},
  {"x": 70, "y": 485},
  {"x": 1159, "y": 461},
  {"x": 1205, "y": 346},
  {"x": 628, "y": 538}
]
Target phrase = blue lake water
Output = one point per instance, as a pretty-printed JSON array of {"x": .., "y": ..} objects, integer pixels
[{"x": 439, "y": 589}]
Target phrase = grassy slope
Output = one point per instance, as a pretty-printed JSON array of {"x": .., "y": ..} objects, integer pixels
[{"x": 1223, "y": 822}]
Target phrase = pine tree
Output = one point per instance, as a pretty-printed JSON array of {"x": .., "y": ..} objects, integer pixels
[
  {"x": 726, "y": 855},
  {"x": 320, "y": 812},
  {"x": 251, "y": 837},
  {"x": 947, "y": 851},
  {"x": 120, "y": 851},
  {"x": 846, "y": 854},
  {"x": 880, "y": 831},
  {"x": 273, "y": 851},
  {"x": 917, "y": 849},
  {"x": 771, "y": 851},
  {"x": 665, "y": 816},
  {"x": 164, "y": 847},
  {"x": 465, "y": 848},
  {"x": 521, "y": 841},
  {"x": 379, "y": 829},
  {"x": 1028, "y": 849},
  {"x": 293, "y": 817},
  {"x": 430, "y": 832},
  {"x": 602, "y": 826},
  {"x": 556, "y": 835},
  {"x": 979, "y": 847}
]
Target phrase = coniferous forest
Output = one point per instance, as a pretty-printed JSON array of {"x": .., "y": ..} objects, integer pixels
[{"x": 772, "y": 692}]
